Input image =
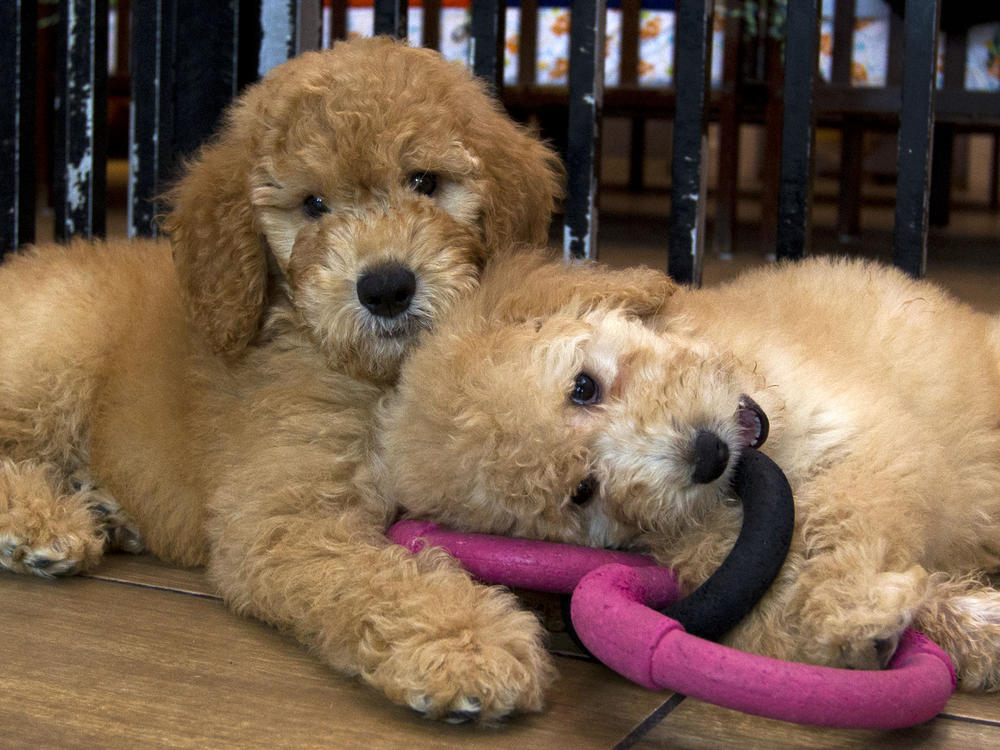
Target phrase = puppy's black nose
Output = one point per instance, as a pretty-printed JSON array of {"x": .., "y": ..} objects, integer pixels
[
  {"x": 711, "y": 456},
  {"x": 387, "y": 290}
]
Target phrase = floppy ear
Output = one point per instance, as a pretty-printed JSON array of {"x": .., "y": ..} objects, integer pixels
[
  {"x": 219, "y": 256},
  {"x": 524, "y": 285},
  {"x": 525, "y": 177}
]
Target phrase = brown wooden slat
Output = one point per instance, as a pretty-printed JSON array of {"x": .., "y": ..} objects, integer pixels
[
  {"x": 629, "y": 73},
  {"x": 843, "y": 42},
  {"x": 528, "y": 45},
  {"x": 338, "y": 20},
  {"x": 771, "y": 167},
  {"x": 730, "y": 107},
  {"x": 431, "y": 24}
]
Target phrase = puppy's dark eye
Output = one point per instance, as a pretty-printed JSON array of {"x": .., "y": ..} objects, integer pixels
[
  {"x": 586, "y": 391},
  {"x": 584, "y": 491},
  {"x": 423, "y": 183},
  {"x": 314, "y": 207}
]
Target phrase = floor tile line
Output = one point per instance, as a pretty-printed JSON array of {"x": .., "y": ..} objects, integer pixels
[
  {"x": 644, "y": 727},
  {"x": 153, "y": 586},
  {"x": 969, "y": 719}
]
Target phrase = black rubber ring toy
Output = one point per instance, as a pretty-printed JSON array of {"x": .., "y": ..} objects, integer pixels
[{"x": 712, "y": 609}]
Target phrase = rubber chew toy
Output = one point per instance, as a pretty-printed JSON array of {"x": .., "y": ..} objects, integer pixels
[
  {"x": 711, "y": 610},
  {"x": 612, "y": 617},
  {"x": 615, "y": 598},
  {"x": 617, "y": 595}
]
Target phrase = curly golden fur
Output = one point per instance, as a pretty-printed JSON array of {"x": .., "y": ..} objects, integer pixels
[
  {"x": 883, "y": 396},
  {"x": 217, "y": 407}
]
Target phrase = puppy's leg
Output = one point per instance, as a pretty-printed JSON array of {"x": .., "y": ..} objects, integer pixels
[
  {"x": 963, "y": 617},
  {"x": 858, "y": 577},
  {"x": 46, "y": 528},
  {"x": 416, "y": 627},
  {"x": 850, "y": 612}
]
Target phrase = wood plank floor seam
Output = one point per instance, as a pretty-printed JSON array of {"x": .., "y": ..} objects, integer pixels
[
  {"x": 155, "y": 587},
  {"x": 654, "y": 719},
  {"x": 968, "y": 719}
]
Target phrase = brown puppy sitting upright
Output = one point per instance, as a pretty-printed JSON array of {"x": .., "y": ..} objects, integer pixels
[
  {"x": 554, "y": 405},
  {"x": 220, "y": 405}
]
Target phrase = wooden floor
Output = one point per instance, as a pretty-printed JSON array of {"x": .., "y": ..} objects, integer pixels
[{"x": 138, "y": 654}]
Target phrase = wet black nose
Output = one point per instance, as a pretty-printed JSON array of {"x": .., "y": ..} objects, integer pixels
[
  {"x": 711, "y": 456},
  {"x": 387, "y": 290}
]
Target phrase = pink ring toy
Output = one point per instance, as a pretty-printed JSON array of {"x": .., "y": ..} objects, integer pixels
[{"x": 614, "y": 596}]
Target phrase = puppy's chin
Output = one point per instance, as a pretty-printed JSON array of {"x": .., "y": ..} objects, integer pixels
[{"x": 372, "y": 357}]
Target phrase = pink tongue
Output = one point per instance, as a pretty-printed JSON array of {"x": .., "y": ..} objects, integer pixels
[{"x": 751, "y": 430}]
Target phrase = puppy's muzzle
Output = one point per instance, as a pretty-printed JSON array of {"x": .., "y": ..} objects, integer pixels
[
  {"x": 711, "y": 457},
  {"x": 387, "y": 290},
  {"x": 711, "y": 453}
]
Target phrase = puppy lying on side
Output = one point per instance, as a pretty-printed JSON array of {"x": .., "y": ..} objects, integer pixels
[
  {"x": 220, "y": 407},
  {"x": 566, "y": 408}
]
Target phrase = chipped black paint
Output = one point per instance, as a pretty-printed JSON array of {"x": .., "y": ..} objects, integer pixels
[
  {"x": 586, "y": 97},
  {"x": 692, "y": 77}
]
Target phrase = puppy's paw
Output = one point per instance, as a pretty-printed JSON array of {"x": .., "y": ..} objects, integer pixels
[
  {"x": 120, "y": 531},
  {"x": 469, "y": 666},
  {"x": 48, "y": 552},
  {"x": 44, "y": 532},
  {"x": 869, "y": 653},
  {"x": 965, "y": 621},
  {"x": 864, "y": 631}
]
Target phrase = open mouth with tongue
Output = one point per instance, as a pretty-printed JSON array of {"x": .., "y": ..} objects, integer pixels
[{"x": 752, "y": 421}]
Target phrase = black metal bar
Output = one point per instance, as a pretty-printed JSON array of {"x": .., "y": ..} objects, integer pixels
[
  {"x": 390, "y": 17},
  {"x": 151, "y": 123},
  {"x": 586, "y": 99},
  {"x": 487, "y": 22},
  {"x": 798, "y": 131},
  {"x": 17, "y": 123},
  {"x": 182, "y": 79},
  {"x": 692, "y": 72},
  {"x": 80, "y": 146},
  {"x": 916, "y": 132}
]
